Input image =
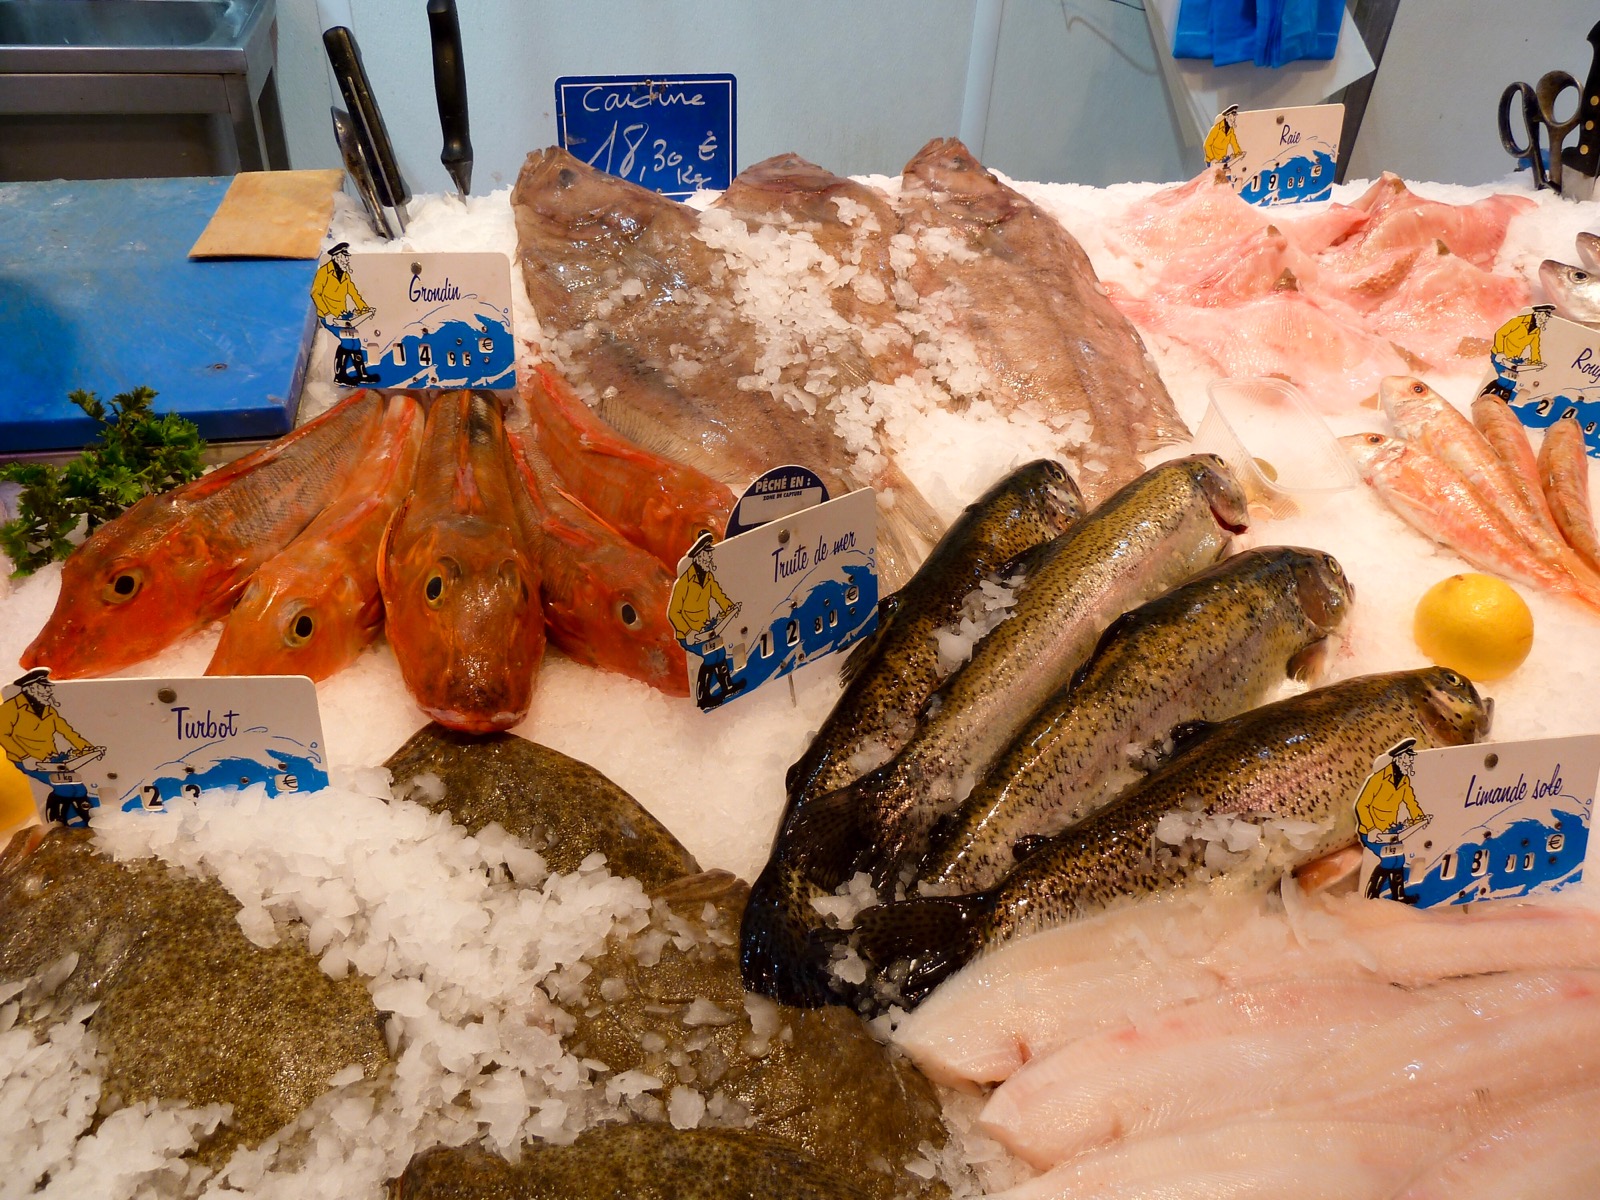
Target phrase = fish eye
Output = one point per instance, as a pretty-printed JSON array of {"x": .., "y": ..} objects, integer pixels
[
  {"x": 123, "y": 586},
  {"x": 629, "y": 615},
  {"x": 1580, "y": 276},
  {"x": 1374, "y": 439},
  {"x": 434, "y": 588},
  {"x": 301, "y": 629},
  {"x": 1333, "y": 565},
  {"x": 1419, "y": 389},
  {"x": 1453, "y": 679}
]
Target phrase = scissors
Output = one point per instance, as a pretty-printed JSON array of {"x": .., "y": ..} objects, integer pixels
[{"x": 1544, "y": 133}]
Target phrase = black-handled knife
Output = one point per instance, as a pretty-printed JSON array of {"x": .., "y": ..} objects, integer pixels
[
  {"x": 450, "y": 86},
  {"x": 1582, "y": 161},
  {"x": 357, "y": 91}
]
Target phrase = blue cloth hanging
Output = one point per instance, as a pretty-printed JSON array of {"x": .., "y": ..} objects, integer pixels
[
  {"x": 1330, "y": 19},
  {"x": 1192, "y": 38},
  {"x": 1233, "y": 31}
]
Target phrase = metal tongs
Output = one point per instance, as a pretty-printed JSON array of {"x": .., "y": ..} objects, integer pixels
[{"x": 364, "y": 140}]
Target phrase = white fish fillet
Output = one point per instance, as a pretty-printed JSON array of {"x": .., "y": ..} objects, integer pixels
[
  {"x": 1213, "y": 1059},
  {"x": 1041, "y": 992},
  {"x": 1268, "y": 1159},
  {"x": 1545, "y": 1151}
]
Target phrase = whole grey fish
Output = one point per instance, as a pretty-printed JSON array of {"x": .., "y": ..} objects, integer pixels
[
  {"x": 190, "y": 1011},
  {"x": 1175, "y": 520},
  {"x": 640, "y": 310},
  {"x": 641, "y": 1162},
  {"x": 888, "y": 679},
  {"x": 1022, "y": 289},
  {"x": 1203, "y": 652},
  {"x": 1573, "y": 290},
  {"x": 1301, "y": 760},
  {"x": 1589, "y": 250}
]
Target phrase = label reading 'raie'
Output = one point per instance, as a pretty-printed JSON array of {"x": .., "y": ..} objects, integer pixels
[{"x": 1277, "y": 155}]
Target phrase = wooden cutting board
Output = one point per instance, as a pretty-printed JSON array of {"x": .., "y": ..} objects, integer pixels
[
  {"x": 97, "y": 292},
  {"x": 271, "y": 214}
]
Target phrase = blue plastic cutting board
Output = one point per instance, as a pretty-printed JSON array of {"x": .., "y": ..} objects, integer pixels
[{"x": 97, "y": 292}]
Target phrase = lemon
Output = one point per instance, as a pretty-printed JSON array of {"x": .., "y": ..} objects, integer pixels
[{"x": 1475, "y": 624}]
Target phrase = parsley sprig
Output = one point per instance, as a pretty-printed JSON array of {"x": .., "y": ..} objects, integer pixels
[{"x": 136, "y": 454}]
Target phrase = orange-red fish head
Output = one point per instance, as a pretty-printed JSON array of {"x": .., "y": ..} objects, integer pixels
[
  {"x": 123, "y": 599},
  {"x": 616, "y": 618},
  {"x": 296, "y": 622},
  {"x": 462, "y": 614}
]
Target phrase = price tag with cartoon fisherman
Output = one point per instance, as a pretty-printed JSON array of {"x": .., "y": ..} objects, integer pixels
[
  {"x": 755, "y": 607},
  {"x": 418, "y": 321},
  {"x": 136, "y": 744},
  {"x": 1548, "y": 369},
  {"x": 1277, "y": 155},
  {"x": 1468, "y": 823}
]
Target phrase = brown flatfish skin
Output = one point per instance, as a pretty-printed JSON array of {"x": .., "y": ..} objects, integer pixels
[
  {"x": 1020, "y": 287},
  {"x": 640, "y": 311}
]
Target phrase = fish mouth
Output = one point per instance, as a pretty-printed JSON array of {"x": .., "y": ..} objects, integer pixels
[{"x": 473, "y": 722}]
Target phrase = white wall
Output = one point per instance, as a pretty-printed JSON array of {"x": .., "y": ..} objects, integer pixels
[{"x": 859, "y": 85}]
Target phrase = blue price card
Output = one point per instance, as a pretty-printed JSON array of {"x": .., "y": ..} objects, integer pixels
[{"x": 673, "y": 134}]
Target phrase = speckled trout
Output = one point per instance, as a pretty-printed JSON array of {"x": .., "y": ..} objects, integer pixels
[
  {"x": 888, "y": 678},
  {"x": 1172, "y": 522},
  {"x": 1208, "y": 650},
  {"x": 1288, "y": 771}
]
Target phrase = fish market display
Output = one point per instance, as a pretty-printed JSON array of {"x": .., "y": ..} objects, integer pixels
[
  {"x": 995, "y": 266},
  {"x": 888, "y": 679},
  {"x": 1332, "y": 301},
  {"x": 311, "y": 609},
  {"x": 640, "y": 311},
  {"x": 1207, "y": 650},
  {"x": 181, "y": 1005},
  {"x": 564, "y": 809},
  {"x": 1255, "y": 796},
  {"x": 604, "y": 599},
  {"x": 642, "y": 1162},
  {"x": 654, "y": 502},
  {"x": 173, "y": 562},
  {"x": 1563, "y": 467},
  {"x": 461, "y": 594}
]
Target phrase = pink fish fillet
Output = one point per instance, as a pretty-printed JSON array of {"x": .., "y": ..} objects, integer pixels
[
  {"x": 1509, "y": 437},
  {"x": 1423, "y": 416},
  {"x": 1192, "y": 1064},
  {"x": 1398, "y": 219},
  {"x": 1283, "y": 335},
  {"x": 1438, "y": 501},
  {"x": 1563, "y": 467},
  {"x": 1445, "y": 309},
  {"x": 1544, "y": 1151},
  {"x": 1257, "y": 1158}
]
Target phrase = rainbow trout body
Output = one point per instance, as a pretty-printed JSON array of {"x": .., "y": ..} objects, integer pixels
[
  {"x": 1205, "y": 651},
  {"x": 1291, "y": 770},
  {"x": 1157, "y": 531},
  {"x": 887, "y": 680}
]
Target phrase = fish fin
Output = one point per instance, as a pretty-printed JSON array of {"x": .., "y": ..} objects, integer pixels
[
  {"x": 933, "y": 935},
  {"x": 1188, "y": 733},
  {"x": 1107, "y": 636},
  {"x": 1027, "y": 562},
  {"x": 1307, "y": 663},
  {"x": 866, "y": 650},
  {"x": 1028, "y": 843},
  {"x": 827, "y": 837},
  {"x": 778, "y": 956}
]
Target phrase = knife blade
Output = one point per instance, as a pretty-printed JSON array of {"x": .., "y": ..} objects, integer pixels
[
  {"x": 359, "y": 170},
  {"x": 354, "y": 85},
  {"x": 1581, "y": 163},
  {"x": 450, "y": 86}
]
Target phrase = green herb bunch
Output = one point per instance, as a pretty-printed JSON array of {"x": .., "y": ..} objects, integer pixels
[{"x": 137, "y": 453}]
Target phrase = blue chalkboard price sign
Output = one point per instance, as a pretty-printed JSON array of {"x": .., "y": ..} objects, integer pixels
[{"x": 673, "y": 134}]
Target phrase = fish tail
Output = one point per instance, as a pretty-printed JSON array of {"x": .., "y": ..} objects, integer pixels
[
  {"x": 779, "y": 955},
  {"x": 933, "y": 936}
]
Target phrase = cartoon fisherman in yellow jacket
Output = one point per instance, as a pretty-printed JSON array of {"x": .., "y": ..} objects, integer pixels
[
  {"x": 689, "y": 611},
  {"x": 1378, "y": 821},
  {"x": 1516, "y": 343},
  {"x": 29, "y": 729},
  {"x": 1222, "y": 143},
  {"x": 340, "y": 306}
]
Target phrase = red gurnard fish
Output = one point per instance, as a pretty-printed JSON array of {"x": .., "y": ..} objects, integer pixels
[
  {"x": 1439, "y": 502},
  {"x": 654, "y": 502},
  {"x": 175, "y": 561},
  {"x": 604, "y": 599},
  {"x": 460, "y": 593},
  {"x": 311, "y": 609},
  {"x": 1564, "y": 473}
]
